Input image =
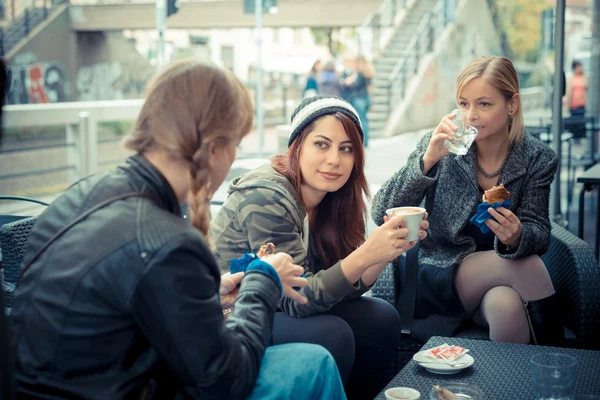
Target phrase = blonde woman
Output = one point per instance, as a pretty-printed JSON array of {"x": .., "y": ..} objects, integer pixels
[
  {"x": 127, "y": 302},
  {"x": 495, "y": 279}
]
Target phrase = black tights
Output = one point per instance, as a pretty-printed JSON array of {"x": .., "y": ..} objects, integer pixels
[{"x": 361, "y": 334}]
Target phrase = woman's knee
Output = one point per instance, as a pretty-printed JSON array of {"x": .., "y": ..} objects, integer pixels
[
  {"x": 381, "y": 315},
  {"x": 329, "y": 331},
  {"x": 323, "y": 380},
  {"x": 532, "y": 278},
  {"x": 503, "y": 309},
  {"x": 502, "y": 304},
  {"x": 335, "y": 332},
  {"x": 532, "y": 265},
  {"x": 310, "y": 354},
  {"x": 374, "y": 322}
]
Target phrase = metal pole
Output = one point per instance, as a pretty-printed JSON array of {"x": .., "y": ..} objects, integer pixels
[
  {"x": 594, "y": 73},
  {"x": 259, "y": 80},
  {"x": 546, "y": 47},
  {"x": 557, "y": 122},
  {"x": 161, "y": 25},
  {"x": 84, "y": 123}
]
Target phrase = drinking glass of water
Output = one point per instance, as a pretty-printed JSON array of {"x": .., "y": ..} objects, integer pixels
[
  {"x": 464, "y": 135},
  {"x": 553, "y": 376}
]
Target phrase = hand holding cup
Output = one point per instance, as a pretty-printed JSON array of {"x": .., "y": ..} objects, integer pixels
[{"x": 415, "y": 218}]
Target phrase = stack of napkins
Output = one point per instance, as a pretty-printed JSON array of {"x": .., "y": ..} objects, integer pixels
[{"x": 445, "y": 352}]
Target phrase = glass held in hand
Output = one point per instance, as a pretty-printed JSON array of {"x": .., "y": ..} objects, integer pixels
[{"x": 464, "y": 135}]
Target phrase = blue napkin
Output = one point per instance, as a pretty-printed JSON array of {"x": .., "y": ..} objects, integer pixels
[
  {"x": 250, "y": 261},
  {"x": 482, "y": 214},
  {"x": 241, "y": 264}
]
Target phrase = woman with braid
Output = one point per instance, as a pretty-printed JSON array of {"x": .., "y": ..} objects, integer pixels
[{"x": 127, "y": 302}]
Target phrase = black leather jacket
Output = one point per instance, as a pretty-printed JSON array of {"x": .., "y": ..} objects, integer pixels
[{"x": 127, "y": 291}]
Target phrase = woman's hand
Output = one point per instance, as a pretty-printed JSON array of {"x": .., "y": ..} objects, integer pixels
[
  {"x": 436, "y": 150},
  {"x": 422, "y": 228},
  {"x": 228, "y": 290},
  {"x": 388, "y": 241},
  {"x": 290, "y": 275},
  {"x": 507, "y": 228}
]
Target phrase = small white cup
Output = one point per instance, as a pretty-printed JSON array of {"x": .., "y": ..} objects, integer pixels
[
  {"x": 413, "y": 217},
  {"x": 399, "y": 393}
]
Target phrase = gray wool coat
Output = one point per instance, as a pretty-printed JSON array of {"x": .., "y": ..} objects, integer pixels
[{"x": 450, "y": 193}]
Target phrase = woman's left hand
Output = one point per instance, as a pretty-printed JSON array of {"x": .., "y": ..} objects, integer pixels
[
  {"x": 228, "y": 290},
  {"x": 508, "y": 227}
]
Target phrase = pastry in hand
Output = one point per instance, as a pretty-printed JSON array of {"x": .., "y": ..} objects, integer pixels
[
  {"x": 266, "y": 250},
  {"x": 497, "y": 194}
]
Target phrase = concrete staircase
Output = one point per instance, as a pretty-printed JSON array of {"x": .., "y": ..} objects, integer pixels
[
  {"x": 388, "y": 59},
  {"x": 27, "y": 23}
]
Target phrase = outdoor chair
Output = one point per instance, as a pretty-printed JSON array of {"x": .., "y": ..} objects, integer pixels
[
  {"x": 6, "y": 362},
  {"x": 6, "y": 218},
  {"x": 14, "y": 230},
  {"x": 574, "y": 272}
]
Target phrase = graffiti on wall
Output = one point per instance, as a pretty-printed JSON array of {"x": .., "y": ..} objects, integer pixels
[
  {"x": 30, "y": 81},
  {"x": 108, "y": 81},
  {"x": 37, "y": 83}
]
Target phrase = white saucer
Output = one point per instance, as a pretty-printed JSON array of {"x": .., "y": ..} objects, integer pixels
[{"x": 441, "y": 367}]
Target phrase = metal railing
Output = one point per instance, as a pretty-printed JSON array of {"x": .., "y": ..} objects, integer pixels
[
  {"x": 379, "y": 26},
  {"x": 77, "y": 151},
  {"x": 532, "y": 98},
  {"x": 421, "y": 43},
  {"x": 24, "y": 22},
  {"x": 56, "y": 144}
]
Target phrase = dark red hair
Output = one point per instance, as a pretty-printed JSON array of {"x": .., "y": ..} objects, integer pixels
[{"x": 338, "y": 222}]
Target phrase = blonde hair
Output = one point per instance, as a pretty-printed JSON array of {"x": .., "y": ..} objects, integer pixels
[
  {"x": 190, "y": 105},
  {"x": 500, "y": 73}
]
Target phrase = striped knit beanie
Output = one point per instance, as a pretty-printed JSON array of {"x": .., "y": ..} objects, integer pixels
[{"x": 314, "y": 107}]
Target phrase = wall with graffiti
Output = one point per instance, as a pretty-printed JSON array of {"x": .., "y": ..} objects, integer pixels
[
  {"x": 49, "y": 82},
  {"x": 37, "y": 83},
  {"x": 101, "y": 66},
  {"x": 107, "y": 81}
]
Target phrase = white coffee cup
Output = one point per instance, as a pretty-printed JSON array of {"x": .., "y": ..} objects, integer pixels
[
  {"x": 413, "y": 217},
  {"x": 398, "y": 393}
]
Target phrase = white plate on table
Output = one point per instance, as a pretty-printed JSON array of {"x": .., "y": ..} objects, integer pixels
[{"x": 443, "y": 367}]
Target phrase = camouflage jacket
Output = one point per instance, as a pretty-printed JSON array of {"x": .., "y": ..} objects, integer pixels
[{"x": 262, "y": 207}]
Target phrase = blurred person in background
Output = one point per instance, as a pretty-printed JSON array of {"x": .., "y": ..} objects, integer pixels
[
  {"x": 358, "y": 83},
  {"x": 312, "y": 87},
  {"x": 329, "y": 81},
  {"x": 577, "y": 86}
]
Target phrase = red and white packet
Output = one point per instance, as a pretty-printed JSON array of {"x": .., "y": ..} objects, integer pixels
[{"x": 446, "y": 352}]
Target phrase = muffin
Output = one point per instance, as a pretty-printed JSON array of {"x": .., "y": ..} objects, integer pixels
[{"x": 497, "y": 194}]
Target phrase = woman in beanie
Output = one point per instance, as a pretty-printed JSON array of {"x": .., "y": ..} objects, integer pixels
[{"x": 310, "y": 203}]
